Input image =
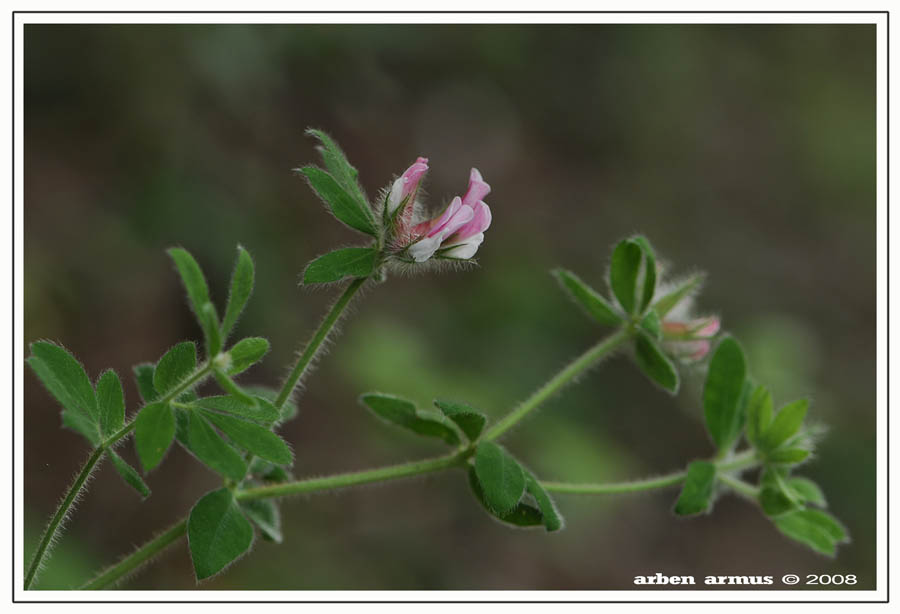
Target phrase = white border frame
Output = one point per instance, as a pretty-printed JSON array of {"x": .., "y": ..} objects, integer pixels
[{"x": 880, "y": 20}]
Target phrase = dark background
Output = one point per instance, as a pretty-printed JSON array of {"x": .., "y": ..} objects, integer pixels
[{"x": 746, "y": 151}]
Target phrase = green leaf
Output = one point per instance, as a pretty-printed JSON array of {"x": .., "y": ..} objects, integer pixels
[
  {"x": 722, "y": 393},
  {"x": 522, "y": 515},
  {"x": 500, "y": 476},
  {"x": 81, "y": 425},
  {"x": 775, "y": 502},
  {"x": 245, "y": 353},
  {"x": 192, "y": 278},
  {"x": 338, "y": 165},
  {"x": 468, "y": 419},
  {"x": 265, "y": 515},
  {"x": 209, "y": 321},
  {"x": 154, "y": 430},
  {"x": 654, "y": 363},
  {"x": 652, "y": 325},
  {"x": 204, "y": 443},
  {"x": 807, "y": 491},
  {"x": 787, "y": 456},
  {"x": 143, "y": 375},
  {"x": 649, "y": 269},
  {"x": 129, "y": 474},
  {"x": 403, "y": 413},
  {"x": 175, "y": 367},
  {"x": 261, "y": 410},
  {"x": 813, "y": 528},
  {"x": 65, "y": 378},
  {"x": 344, "y": 207},
  {"x": 110, "y": 403},
  {"x": 623, "y": 273},
  {"x": 231, "y": 388},
  {"x": 775, "y": 496},
  {"x": 261, "y": 441},
  {"x": 786, "y": 424},
  {"x": 266, "y": 396},
  {"x": 550, "y": 516},
  {"x": 697, "y": 492},
  {"x": 217, "y": 533},
  {"x": 269, "y": 472},
  {"x": 589, "y": 299},
  {"x": 241, "y": 288},
  {"x": 681, "y": 291},
  {"x": 759, "y": 414},
  {"x": 341, "y": 263}
]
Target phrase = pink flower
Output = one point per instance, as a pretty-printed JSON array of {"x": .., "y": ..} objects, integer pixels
[
  {"x": 406, "y": 185},
  {"x": 459, "y": 230},
  {"x": 690, "y": 340}
]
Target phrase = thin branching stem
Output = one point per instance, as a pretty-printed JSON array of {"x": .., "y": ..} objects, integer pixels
[
  {"x": 315, "y": 344},
  {"x": 740, "y": 462},
  {"x": 138, "y": 557},
  {"x": 146, "y": 552},
  {"x": 74, "y": 491},
  {"x": 571, "y": 371}
]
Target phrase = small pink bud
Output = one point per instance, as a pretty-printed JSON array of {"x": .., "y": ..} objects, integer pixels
[
  {"x": 407, "y": 184},
  {"x": 709, "y": 329}
]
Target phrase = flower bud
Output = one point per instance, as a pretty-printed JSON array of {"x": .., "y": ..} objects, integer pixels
[{"x": 406, "y": 185}]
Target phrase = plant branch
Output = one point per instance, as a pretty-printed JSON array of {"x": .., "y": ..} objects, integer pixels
[
  {"x": 138, "y": 557},
  {"x": 559, "y": 381},
  {"x": 740, "y": 487},
  {"x": 342, "y": 480},
  {"x": 740, "y": 462},
  {"x": 382, "y": 474},
  {"x": 318, "y": 338},
  {"x": 62, "y": 511}
]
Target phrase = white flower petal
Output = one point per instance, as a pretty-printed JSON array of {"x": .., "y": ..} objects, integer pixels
[
  {"x": 424, "y": 249},
  {"x": 466, "y": 250}
]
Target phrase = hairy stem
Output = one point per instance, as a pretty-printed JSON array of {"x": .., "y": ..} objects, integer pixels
[
  {"x": 740, "y": 487},
  {"x": 60, "y": 514},
  {"x": 559, "y": 381},
  {"x": 342, "y": 480},
  {"x": 62, "y": 511},
  {"x": 138, "y": 557},
  {"x": 382, "y": 474},
  {"x": 739, "y": 462},
  {"x": 146, "y": 552},
  {"x": 318, "y": 338}
]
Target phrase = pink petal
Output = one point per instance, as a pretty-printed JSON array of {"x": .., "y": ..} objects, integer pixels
[
  {"x": 478, "y": 189},
  {"x": 481, "y": 221},
  {"x": 462, "y": 217},
  {"x": 709, "y": 329},
  {"x": 407, "y": 183},
  {"x": 434, "y": 226}
]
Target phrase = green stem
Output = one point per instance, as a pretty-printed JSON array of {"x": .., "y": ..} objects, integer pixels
[
  {"x": 311, "y": 485},
  {"x": 739, "y": 486},
  {"x": 60, "y": 514},
  {"x": 342, "y": 480},
  {"x": 740, "y": 462},
  {"x": 74, "y": 490},
  {"x": 137, "y": 558},
  {"x": 559, "y": 381},
  {"x": 319, "y": 337},
  {"x": 615, "y": 487}
]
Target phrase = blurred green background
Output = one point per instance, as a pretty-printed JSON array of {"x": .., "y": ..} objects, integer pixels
[{"x": 747, "y": 151}]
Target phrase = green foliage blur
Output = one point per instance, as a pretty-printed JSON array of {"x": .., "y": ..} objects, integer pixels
[{"x": 747, "y": 151}]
